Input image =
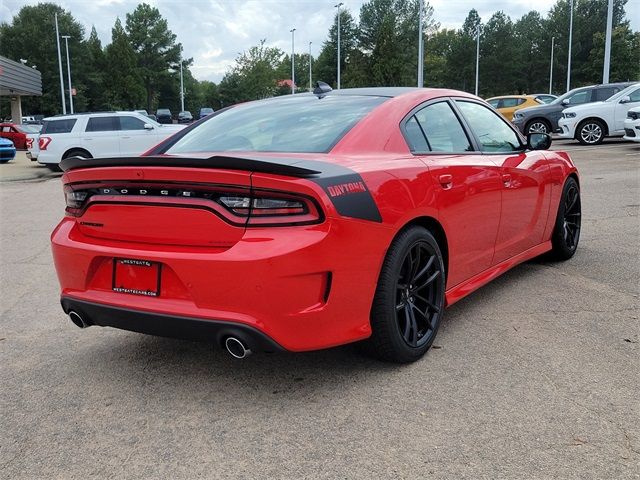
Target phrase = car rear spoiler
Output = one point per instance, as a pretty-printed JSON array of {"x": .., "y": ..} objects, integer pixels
[{"x": 279, "y": 166}]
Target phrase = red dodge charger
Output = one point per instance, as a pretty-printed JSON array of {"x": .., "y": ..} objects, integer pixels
[{"x": 313, "y": 220}]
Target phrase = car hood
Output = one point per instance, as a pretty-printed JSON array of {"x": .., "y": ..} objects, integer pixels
[
  {"x": 5, "y": 142},
  {"x": 540, "y": 109},
  {"x": 587, "y": 107}
]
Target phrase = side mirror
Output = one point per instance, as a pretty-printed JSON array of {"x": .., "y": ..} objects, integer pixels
[
  {"x": 625, "y": 99},
  {"x": 538, "y": 141},
  {"x": 565, "y": 101},
  {"x": 148, "y": 126}
]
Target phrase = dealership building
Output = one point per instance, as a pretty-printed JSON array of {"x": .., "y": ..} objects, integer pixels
[{"x": 16, "y": 81}]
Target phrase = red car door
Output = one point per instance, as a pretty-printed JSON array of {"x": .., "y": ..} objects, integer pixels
[
  {"x": 526, "y": 186},
  {"x": 468, "y": 186}
]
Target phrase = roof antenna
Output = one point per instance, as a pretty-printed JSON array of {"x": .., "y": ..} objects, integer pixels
[{"x": 321, "y": 89}]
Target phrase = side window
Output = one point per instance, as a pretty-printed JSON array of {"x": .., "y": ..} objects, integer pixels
[
  {"x": 492, "y": 132},
  {"x": 635, "y": 96},
  {"x": 102, "y": 124},
  {"x": 131, "y": 123},
  {"x": 6, "y": 129},
  {"x": 443, "y": 129},
  {"x": 494, "y": 103},
  {"x": 580, "y": 97},
  {"x": 415, "y": 137},
  {"x": 510, "y": 102},
  {"x": 602, "y": 94}
]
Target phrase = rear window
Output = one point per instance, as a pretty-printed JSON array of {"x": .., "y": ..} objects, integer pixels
[
  {"x": 58, "y": 126},
  {"x": 296, "y": 123}
]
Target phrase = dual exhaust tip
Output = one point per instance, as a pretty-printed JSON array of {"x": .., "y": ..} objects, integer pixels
[{"x": 235, "y": 346}]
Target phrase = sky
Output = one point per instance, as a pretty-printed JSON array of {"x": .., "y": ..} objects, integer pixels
[{"x": 214, "y": 32}]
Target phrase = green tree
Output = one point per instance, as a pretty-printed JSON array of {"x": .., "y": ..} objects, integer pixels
[
  {"x": 325, "y": 68},
  {"x": 532, "y": 54},
  {"x": 625, "y": 55},
  {"x": 499, "y": 69},
  {"x": 95, "y": 77},
  {"x": 125, "y": 87},
  {"x": 32, "y": 36},
  {"x": 155, "y": 47}
]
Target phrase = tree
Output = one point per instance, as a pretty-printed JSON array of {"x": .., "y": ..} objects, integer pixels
[
  {"x": 95, "y": 67},
  {"x": 32, "y": 36},
  {"x": 325, "y": 68},
  {"x": 499, "y": 69},
  {"x": 155, "y": 47},
  {"x": 125, "y": 88},
  {"x": 625, "y": 55},
  {"x": 532, "y": 53}
]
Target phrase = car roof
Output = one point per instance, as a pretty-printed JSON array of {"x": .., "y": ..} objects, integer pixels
[
  {"x": 97, "y": 114},
  {"x": 511, "y": 96}
]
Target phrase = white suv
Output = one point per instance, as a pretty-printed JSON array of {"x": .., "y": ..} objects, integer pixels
[
  {"x": 94, "y": 135},
  {"x": 590, "y": 123},
  {"x": 632, "y": 125}
]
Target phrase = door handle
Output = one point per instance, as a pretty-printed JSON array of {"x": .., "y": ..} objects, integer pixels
[
  {"x": 506, "y": 179},
  {"x": 446, "y": 181}
]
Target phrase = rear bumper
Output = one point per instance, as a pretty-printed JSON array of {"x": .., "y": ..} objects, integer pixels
[
  {"x": 305, "y": 288},
  {"x": 168, "y": 325}
]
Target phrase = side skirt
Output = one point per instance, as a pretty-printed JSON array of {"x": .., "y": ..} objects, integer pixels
[{"x": 465, "y": 288}]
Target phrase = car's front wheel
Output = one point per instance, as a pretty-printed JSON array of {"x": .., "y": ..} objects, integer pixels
[
  {"x": 591, "y": 132},
  {"x": 566, "y": 232},
  {"x": 538, "y": 126},
  {"x": 409, "y": 300}
]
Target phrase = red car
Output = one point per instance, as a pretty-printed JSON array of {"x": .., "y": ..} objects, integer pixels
[
  {"x": 18, "y": 133},
  {"x": 307, "y": 221}
]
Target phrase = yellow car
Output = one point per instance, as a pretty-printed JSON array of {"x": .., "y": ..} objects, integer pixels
[{"x": 508, "y": 104}]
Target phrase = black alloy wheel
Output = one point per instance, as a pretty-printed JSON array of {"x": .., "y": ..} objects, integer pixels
[
  {"x": 409, "y": 301},
  {"x": 566, "y": 234}
]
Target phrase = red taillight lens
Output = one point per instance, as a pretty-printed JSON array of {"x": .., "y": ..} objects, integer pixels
[
  {"x": 43, "y": 142},
  {"x": 29, "y": 143}
]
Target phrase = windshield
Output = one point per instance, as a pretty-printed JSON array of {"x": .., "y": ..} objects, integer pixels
[
  {"x": 29, "y": 128},
  {"x": 294, "y": 123},
  {"x": 622, "y": 93},
  {"x": 562, "y": 97}
]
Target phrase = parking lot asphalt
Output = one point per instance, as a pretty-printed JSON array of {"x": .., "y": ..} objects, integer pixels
[
  {"x": 533, "y": 376},
  {"x": 23, "y": 169}
]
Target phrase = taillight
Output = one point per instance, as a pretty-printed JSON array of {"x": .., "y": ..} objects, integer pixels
[
  {"x": 43, "y": 142},
  {"x": 29, "y": 143},
  {"x": 238, "y": 206}
]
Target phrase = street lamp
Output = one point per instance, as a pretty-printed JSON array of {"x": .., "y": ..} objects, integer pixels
[
  {"x": 570, "y": 41},
  {"x": 293, "y": 61},
  {"x": 477, "y": 56},
  {"x": 420, "y": 47},
  {"x": 181, "y": 88},
  {"x": 553, "y": 39},
  {"x": 64, "y": 104},
  {"x": 338, "y": 7},
  {"x": 310, "y": 76},
  {"x": 607, "y": 44},
  {"x": 66, "y": 42}
]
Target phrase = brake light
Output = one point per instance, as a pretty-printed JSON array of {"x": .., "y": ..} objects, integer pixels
[
  {"x": 238, "y": 206},
  {"x": 43, "y": 142},
  {"x": 29, "y": 143}
]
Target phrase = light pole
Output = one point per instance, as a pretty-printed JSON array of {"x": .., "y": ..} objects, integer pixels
[
  {"x": 338, "y": 79},
  {"x": 310, "y": 76},
  {"x": 293, "y": 62},
  {"x": 420, "y": 47},
  {"x": 570, "y": 41},
  {"x": 66, "y": 42},
  {"x": 64, "y": 104},
  {"x": 181, "y": 88},
  {"x": 477, "y": 56},
  {"x": 607, "y": 44},
  {"x": 553, "y": 39}
]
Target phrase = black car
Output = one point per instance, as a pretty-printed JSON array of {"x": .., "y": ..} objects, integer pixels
[
  {"x": 544, "y": 118},
  {"x": 163, "y": 115},
  {"x": 185, "y": 117},
  {"x": 204, "y": 111}
]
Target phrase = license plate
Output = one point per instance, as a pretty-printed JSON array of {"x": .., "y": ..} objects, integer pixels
[{"x": 136, "y": 277}]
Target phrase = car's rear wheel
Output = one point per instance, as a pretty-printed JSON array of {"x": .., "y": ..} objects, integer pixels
[
  {"x": 591, "y": 132},
  {"x": 566, "y": 232},
  {"x": 77, "y": 153},
  {"x": 409, "y": 300},
  {"x": 538, "y": 126}
]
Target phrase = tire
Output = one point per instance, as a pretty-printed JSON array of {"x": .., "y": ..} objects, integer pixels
[
  {"x": 591, "y": 132},
  {"x": 538, "y": 125},
  {"x": 566, "y": 232},
  {"x": 77, "y": 153},
  {"x": 409, "y": 299}
]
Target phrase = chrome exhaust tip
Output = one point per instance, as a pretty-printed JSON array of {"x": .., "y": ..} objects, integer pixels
[
  {"x": 236, "y": 348},
  {"x": 77, "y": 319}
]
